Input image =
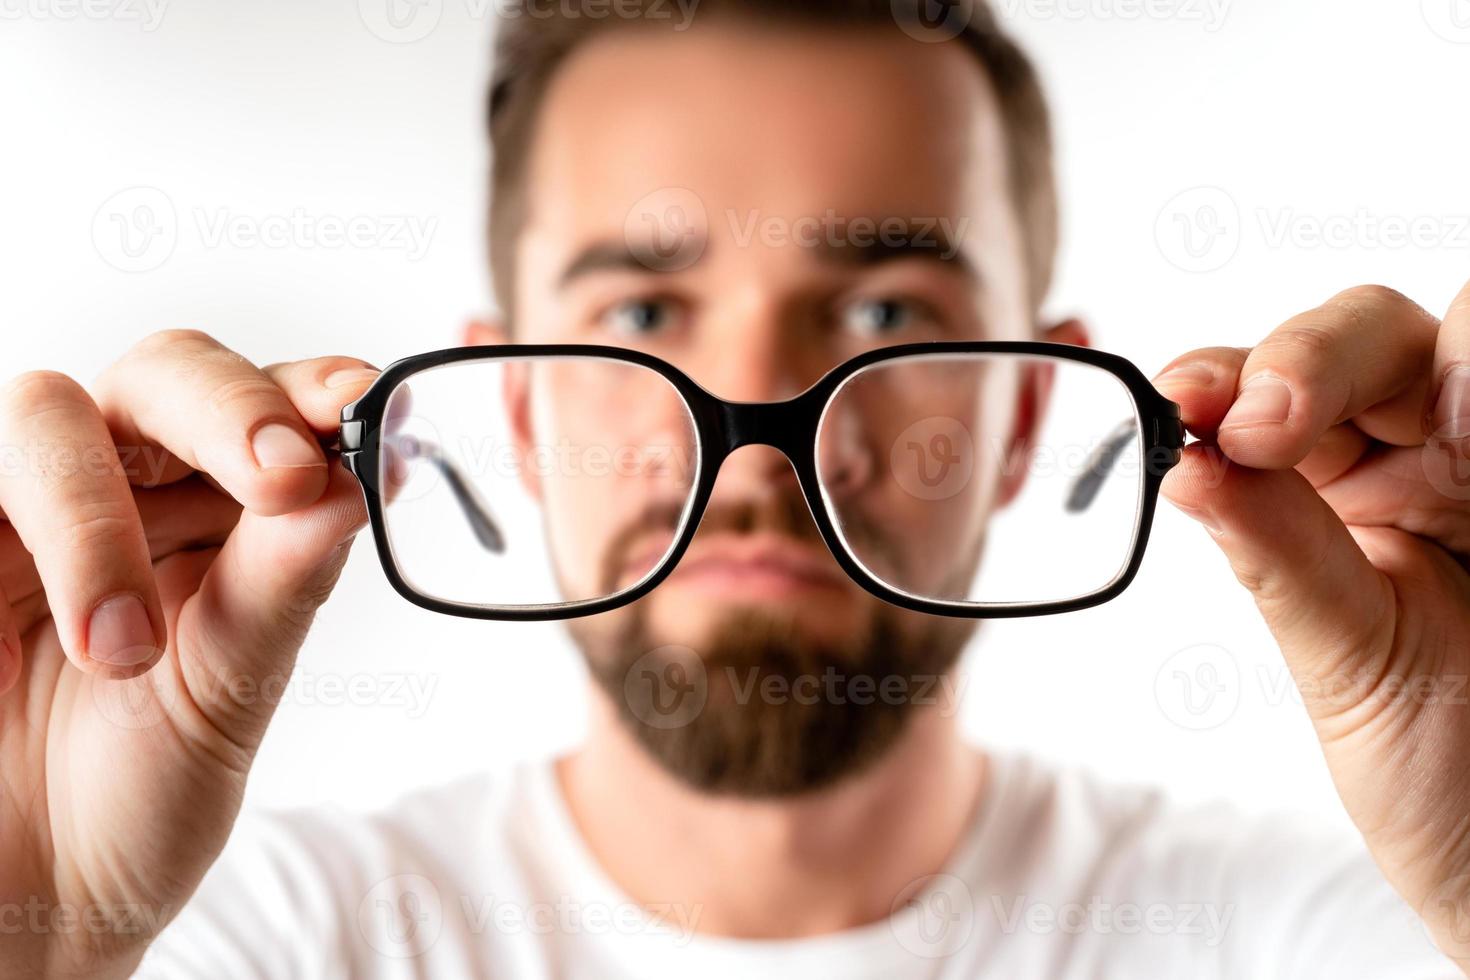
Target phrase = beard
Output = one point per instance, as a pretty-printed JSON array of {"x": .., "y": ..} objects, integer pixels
[{"x": 764, "y": 709}]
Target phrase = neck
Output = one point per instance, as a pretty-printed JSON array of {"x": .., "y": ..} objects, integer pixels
[{"x": 814, "y": 864}]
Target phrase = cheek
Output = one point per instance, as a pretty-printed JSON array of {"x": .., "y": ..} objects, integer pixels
[
  {"x": 933, "y": 464},
  {"x": 616, "y": 450}
]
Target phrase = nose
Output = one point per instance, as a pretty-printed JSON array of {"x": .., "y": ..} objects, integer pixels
[
  {"x": 757, "y": 355},
  {"x": 845, "y": 456}
]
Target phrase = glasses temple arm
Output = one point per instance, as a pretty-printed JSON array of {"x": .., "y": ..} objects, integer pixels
[
  {"x": 476, "y": 511},
  {"x": 1100, "y": 466}
]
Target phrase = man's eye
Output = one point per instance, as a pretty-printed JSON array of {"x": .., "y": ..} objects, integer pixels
[
  {"x": 639, "y": 318},
  {"x": 882, "y": 317}
]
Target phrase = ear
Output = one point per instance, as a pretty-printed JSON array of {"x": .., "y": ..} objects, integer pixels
[
  {"x": 483, "y": 332},
  {"x": 1032, "y": 400},
  {"x": 1071, "y": 331}
]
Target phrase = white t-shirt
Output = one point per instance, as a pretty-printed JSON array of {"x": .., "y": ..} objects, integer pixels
[{"x": 1059, "y": 877}]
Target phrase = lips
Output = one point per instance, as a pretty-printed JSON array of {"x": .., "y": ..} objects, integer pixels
[{"x": 766, "y": 560}]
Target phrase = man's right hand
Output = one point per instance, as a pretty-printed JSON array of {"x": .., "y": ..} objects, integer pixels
[{"x": 165, "y": 540}]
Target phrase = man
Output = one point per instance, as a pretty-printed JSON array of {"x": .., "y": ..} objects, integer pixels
[{"x": 774, "y": 839}]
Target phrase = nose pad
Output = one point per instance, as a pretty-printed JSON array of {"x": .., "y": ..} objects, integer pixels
[
  {"x": 844, "y": 458},
  {"x": 754, "y": 473},
  {"x": 757, "y": 490}
]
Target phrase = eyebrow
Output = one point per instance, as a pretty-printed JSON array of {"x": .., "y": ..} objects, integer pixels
[
  {"x": 608, "y": 256},
  {"x": 885, "y": 241},
  {"x": 882, "y": 241}
]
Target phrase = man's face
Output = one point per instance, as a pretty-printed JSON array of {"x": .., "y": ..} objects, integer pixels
[{"x": 709, "y": 198}]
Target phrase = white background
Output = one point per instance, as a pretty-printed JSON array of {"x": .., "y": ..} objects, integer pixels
[{"x": 1297, "y": 114}]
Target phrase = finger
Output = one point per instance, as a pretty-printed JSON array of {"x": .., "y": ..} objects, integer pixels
[
  {"x": 1448, "y": 413},
  {"x": 1365, "y": 349},
  {"x": 183, "y": 391},
  {"x": 73, "y": 510},
  {"x": 1203, "y": 383},
  {"x": 10, "y": 652},
  {"x": 1314, "y": 586},
  {"x": 184, "y": 515},
  {"x": 1400, "y": 491},
  {"x": 318, "y": 388},
  {"x": 255, "y": 601},
  {"x": 1340, "y": 449}
]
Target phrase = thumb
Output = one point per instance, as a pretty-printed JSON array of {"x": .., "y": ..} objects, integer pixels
[
  {"x": 238, "y": 635},
  {"x": 1329, "y": 609}
]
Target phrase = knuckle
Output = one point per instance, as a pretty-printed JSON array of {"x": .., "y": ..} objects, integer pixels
[
  {"x": 174, "y": 339},
  {"x": 1383, "y": 311},
  {"x": 1302, "y": 350},
  {"x": 191, "y": 354},
  {"x": 1253, "y": 578},
  {"x": 244, "y": 396},
  {"x": 105, "y": 527},
  {"x": 37, "y": 391},
  {"x": 1371, "y": 298}
]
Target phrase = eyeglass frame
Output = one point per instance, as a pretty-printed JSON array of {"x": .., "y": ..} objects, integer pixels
[{"x": 792, "y": 427}]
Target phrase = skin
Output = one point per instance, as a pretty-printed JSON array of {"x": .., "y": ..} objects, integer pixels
[{"x": 1340, "y": 520}]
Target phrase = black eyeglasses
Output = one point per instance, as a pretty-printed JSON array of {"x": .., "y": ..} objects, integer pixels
[{"x": 979, "y": 480}]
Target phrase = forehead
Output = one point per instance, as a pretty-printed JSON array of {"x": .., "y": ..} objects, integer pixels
[{"x": 867, "y": 123}]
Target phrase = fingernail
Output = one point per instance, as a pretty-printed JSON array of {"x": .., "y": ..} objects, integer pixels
[
  {"x": 277, "y": 445},
  {"x": 1452, "y": 411},
  {"x": 349, "y": 376},
  {"x": 119, "y": 633},
  {"x": 1185, "y": 374},
  {"x": 1264, "y": 400}
]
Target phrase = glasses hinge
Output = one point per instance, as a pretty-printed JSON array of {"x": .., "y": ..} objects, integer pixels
[{"x": 351, "y": 435}]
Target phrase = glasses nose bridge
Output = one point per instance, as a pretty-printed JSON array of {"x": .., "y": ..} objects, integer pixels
[{"x": 786, "y": 426}]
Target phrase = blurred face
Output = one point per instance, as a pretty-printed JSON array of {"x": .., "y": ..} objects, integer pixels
[{"x": 756, "y": 207}]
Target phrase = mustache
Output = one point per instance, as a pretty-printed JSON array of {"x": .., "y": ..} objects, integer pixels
[{"x": 785, "y": 514}]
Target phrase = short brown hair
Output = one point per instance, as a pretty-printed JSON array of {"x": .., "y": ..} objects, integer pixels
[{"x": 530, "y": 49}]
